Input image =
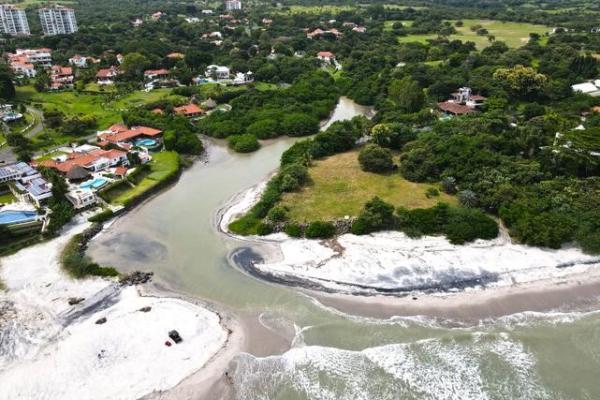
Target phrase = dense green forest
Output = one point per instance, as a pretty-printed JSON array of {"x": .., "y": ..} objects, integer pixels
[{"x": 529, "y": 157}]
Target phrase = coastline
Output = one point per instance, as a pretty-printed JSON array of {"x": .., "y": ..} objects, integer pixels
[
  {"x": 575, "y": 285},
  {"x": 50, "y": 318}
]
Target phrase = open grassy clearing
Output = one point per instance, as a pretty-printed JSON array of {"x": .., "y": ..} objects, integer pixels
[
  {"x": 514, "y": 34},
  {"x": 339, "y": 188},
  {"x": 162, "y": 166},
  {"x": 105, "y": 108}
]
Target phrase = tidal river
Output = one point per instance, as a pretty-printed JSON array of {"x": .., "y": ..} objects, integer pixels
[{"x": 304, "y": 350}]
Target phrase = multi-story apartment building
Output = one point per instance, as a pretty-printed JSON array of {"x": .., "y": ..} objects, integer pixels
[
  {"x": 232, "y": 5},
  {"x": 58, "y": 20},
  {"x": 13, "y": 20},
  {"x": 25, "y": 61}
]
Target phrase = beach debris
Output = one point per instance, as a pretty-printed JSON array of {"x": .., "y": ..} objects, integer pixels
[
  {"x": 174, "y": 335},
  {"x": 101, "y": 321},
  {"x": 101, "y": 354},
  {"x": 168, "y": 344},
  {"x": 136, "y": 278},
  {"x": 75, "y": 300},
  {"x": 145, "y": 309}
]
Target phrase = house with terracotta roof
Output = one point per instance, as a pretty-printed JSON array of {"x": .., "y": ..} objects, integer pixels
[
  {"x": 462, "y": 102},
  {"x": 189, "y": 110},
  {"x": 124, "y": 137},
  {"x": 317, "y": 33},
  {"x": 106, "y": 76},
  {"x": 175, "y": 56},
  {"x": 156, "y": 74},
  {"x": 61, "y": 77},
  {"x": 93, "y": 160},
  {"x": 79, "y": 61},
  {"x": 325, "y": 56}
]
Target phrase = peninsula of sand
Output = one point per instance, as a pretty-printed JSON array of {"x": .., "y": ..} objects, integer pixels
[{"x": 63, "y": 338}]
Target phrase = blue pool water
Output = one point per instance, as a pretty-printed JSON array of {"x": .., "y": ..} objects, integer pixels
[
  {"x": 145, "y": 142},
  {"x": 94, "y": 183},
  {"x": 13, "y": 217}
]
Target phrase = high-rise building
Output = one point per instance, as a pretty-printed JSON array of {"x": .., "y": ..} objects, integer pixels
[
  {"x": 58, "y": 20},
  {"x": 13, "y": 20},
  {"x": 232, "y": 5}
]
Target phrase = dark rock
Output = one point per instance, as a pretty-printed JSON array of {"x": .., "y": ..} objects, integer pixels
[
  {"x": 145, "y": 309},
  {"x": 75, "y": 300},
  {"x": 174, "y": 335},
  {"x": 101, "y": 321},
  {"x": 136, "y": 278}
]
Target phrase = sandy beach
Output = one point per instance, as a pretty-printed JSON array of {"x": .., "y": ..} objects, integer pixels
[
  {"x": 388, "y": 274},
  {"x": 123, "y": 357}
]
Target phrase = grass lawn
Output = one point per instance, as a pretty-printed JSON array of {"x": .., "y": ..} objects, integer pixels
[
  {"x": 105, "y": 107},
  {"x": 162, "y": 166},
  {"x": 341, "y": 188},
  {"x": 514, "y": 34},
  {"x": 7, "y": 198}
]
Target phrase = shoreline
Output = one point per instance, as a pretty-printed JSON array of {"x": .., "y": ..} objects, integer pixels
[{"x": 575, "y": 290}]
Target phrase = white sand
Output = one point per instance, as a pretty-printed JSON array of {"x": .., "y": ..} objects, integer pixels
[
  {"x": 51, "y": 350},
  {"x": 392, "y": 261}
]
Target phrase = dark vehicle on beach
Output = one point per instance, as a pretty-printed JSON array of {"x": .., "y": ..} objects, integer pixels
[{"x": 174, "y": 335}]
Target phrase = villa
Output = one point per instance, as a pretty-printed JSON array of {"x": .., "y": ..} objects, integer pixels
[
  {"x": 462, "y": 102},
  {"x": 81, "y": 198},
  {"x": 325, "y": 56},
  {"x": 92, "y": 160},
  {"x": 591, "y": 88},
  {"x": 317, "y": 33},
  {"x": 189, "y": 110},
  {"x": 61, "y": 77},
  {"x": 79, "y": 61},
  {"x": 156, "y": 74},
  {"x": 218, "y": 72},
  {"x": 243, "y": 78},
  {"x": 27, "y": 183},
  {"x": 106, "y": 76},
  {"x": 24, "y": 61},
  {"x": 7, "y": 114},
  {"x": 125, "y": 138}
]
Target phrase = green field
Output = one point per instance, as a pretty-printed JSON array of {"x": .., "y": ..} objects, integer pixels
[
  {"x": 105, "y": 108},
  {"x": 514, "y": 34},
  {"x": 162, "y": 166},
  {"x": 339, "y": 187}
]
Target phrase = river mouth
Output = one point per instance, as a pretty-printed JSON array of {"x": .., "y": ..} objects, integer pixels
[{"x": 305, "y": 344}]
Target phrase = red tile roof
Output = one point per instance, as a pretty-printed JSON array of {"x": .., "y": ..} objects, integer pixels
[
  {"x": 81, "y": 159},
  {"x": 121, "y": 171},
  {"x": 455, "y": 108},
  {"x": 158, "y": 72},
  {"x": 325, "y": 54},
  {"x": 119, "y": 133},
  {"x": 188, "y": 109}
]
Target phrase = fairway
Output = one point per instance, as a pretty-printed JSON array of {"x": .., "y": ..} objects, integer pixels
[
  {"x": 106, "y": 108},
  {"x": 339, "y": 188},
  {"x": 514, "y": 34}
]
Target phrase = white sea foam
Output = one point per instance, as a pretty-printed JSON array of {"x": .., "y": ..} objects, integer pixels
[
  {"x": 456, "y": 367},
  {"x": 52, "y": 350},
  {"x": 393, "y": 261}
]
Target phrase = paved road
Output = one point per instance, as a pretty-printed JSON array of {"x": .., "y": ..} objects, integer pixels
[{"x": 7, "y": 155}]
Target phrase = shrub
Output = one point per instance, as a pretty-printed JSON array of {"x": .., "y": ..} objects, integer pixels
[
  {"x": 277, "y": 214},
  {"x": 264, "y": 229},
  {"x": 320, "y": 230},
  {"x": 264, "y": 129},
  {"x": 467, "y": 198},
  {"x": 246, "y": 225},
  {"x": 466, "y": 225},
  {"x": 299, "y": 124},
  {"x": 244, "y": 143},
  {"x": 289, "y": 183},
  {"x": 293, "y": 230},
  {"x": 376, "y": 215},
  {"x": 102, "y": 216},
  {"x": 373, "y": 158},
  {"x": 432, "y": 192}
]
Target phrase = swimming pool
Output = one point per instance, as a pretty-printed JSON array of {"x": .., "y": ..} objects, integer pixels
[
  {"x": 94, "y": 183},
  {"x": 9, "y": 217},
  {"x": 145, "y": 142}
]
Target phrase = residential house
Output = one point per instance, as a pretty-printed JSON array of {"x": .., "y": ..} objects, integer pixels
[
  {"x": 359, "y": 29},
  {"x": 462, "y": 102},
  {"x": 79, "y": 61},
  {"x": 156, "y": 16},
  {"x": 189, "y": 110},
  {"x": 151, "y": 74},
  {"x": 218, "y": 72},
  {"x": 106, "y": 76},
  {"x": 28, "y": 184},
  {"x": 317, "y": 33},
  {"x": 243, "y": 78},
  {"x": 176, "y": 56},
  {"x": 207, "y": 12},
  {"x": 326, "y": 57},
  {"x": 591, "y": 88},
  {"x": 137, "y": 22},
  {"x": 61, "y": 77},
  {"x": 123, "y": 137},
  {"x": 81, "y": 198},
  {"x": 94, "y": 160},
  {"x": 24, "y": 62}
]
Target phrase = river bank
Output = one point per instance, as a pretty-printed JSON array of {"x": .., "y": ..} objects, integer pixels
[{"x": 388, "y": 274}]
